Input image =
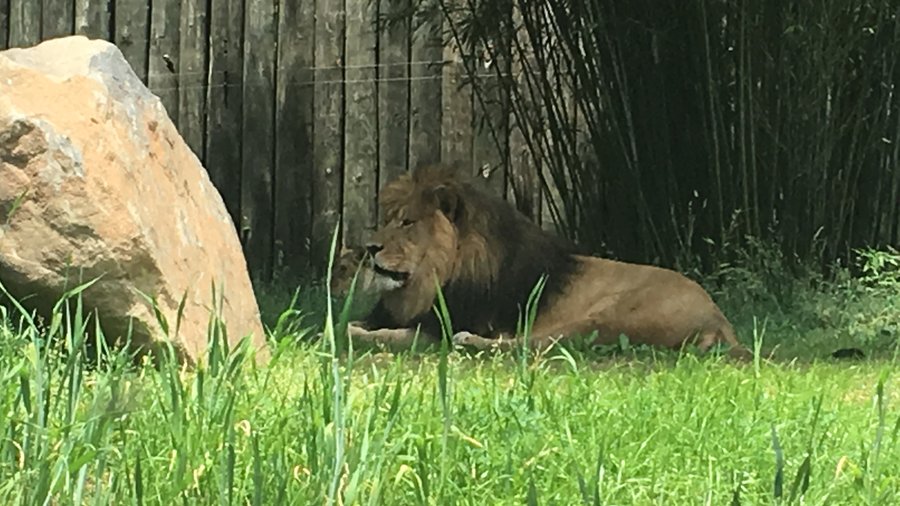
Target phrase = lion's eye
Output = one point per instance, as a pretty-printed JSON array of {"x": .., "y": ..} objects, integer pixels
[{"x": 405, "y": 222}]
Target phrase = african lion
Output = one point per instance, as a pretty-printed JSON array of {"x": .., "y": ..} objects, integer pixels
[{"x": 487, "y": 258}]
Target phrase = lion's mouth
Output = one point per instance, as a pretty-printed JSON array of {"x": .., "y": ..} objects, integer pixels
[{"x": 398, "y": 276}]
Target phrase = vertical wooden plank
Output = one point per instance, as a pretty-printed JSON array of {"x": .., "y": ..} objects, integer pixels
[
  {"x": 490, "y": 145},
  {"x": 328, "y": 141},
  {"x": 425, "y": 74},
  {"x": 57, "y": 18},
  {"x": 560, "y": 78},
  {"x": 393, "y": 93},
  {"x": 224, "y": 103},
  {"x": 522, "y": 180},
  {"x": 163, "y": 59},
  {"x": 92, "y": 19},
  {"x": 24, "y": 23},
  {"x": 565, "y": 187},
  {"x": 456, "y": 97},
  {"x": 132, "y": 33},
  {"x": 192, "y": 70},
  {"x": 522, "y": 166},
  {"x": 4, "y": 24},
  {"x": 258, "y": 135},
  {"x": 360, "y": 127},
  {"x": 294, "y": 133}
]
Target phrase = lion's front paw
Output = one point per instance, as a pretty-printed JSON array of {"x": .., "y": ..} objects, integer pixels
[
  {"x": 464, "y": 338},
  {"x": 356, "y": 329}
]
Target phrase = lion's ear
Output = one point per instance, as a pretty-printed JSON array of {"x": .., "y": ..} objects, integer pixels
[{"x": 447, "y": 201}]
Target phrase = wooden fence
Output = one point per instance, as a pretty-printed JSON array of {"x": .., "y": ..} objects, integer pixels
[{"x": 298, "y": 111}]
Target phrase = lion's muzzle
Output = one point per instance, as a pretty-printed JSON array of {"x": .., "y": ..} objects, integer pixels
[{"x": 398, "y": 276}]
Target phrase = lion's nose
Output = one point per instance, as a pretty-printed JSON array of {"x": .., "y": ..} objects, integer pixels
[{"x": 373, "y": 248}]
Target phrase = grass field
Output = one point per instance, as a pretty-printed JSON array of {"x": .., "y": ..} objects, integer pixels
[{"x": 625, "y": 426}]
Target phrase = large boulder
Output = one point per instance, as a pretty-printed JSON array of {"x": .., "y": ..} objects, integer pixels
[{"x": 96, "y": 181}]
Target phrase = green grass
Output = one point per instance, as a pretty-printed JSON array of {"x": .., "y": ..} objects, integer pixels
[{"x": 633, "y": 426}]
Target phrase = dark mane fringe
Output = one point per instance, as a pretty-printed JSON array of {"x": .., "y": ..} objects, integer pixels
[{"x": 521, "y": 251}]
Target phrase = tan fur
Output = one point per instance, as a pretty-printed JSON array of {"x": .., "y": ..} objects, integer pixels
[
  {"x": 437, "y": 228},
  {"x": 345, "y": 268},
  {"x": 649, "y": 305}
]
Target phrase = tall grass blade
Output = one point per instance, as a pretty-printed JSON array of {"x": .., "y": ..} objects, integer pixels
[
  {"x": 532, "y": 496},
  {"x": 874, "y": 460},
  {"x": 443, "y": 314},
  {"x": 138, "y": 480},
  {"x": 777, "y": 485},
  {"x": 335, "y": 386},
  {"x": 258, "y": 479}
]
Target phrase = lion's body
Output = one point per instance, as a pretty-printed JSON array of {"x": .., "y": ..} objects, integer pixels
[
  {"x": 488, "y": 258},
  {"x": 648, "y": 304}
]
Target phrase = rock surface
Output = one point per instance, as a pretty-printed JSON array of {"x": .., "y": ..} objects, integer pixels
[{"x": 96, "y": 181}]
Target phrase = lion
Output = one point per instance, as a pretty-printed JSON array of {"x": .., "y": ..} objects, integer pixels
[{"x": 438, "y": 229}]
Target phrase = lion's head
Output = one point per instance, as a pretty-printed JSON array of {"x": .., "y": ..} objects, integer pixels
[
  {"x": 419, "y": 237},
  {"x": 439, "y": 227}
]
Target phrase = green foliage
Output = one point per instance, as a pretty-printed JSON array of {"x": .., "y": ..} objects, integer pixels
[{"x": 803, "y": 309}]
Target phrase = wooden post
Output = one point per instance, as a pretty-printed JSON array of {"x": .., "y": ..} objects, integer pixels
[
  {"x": 425, "y": 92},
  {"x": 490, "y": 144},
  {"x": 57, "y": 18},
  {"x": 192, "y": 81},
  {"x": 224, "y": 102},
  {"x": 393, "y": 94},
  {"x": 24, "y": 23},
  {"x": 456, "y": 97},
  {"x": 562, "y": 81},
  {"x": 92, "y": 19},
  {"x": 258, "y": 139},
  {"x": 522, "y": 177},
  {"x": 4, "y": 24},
  {"x": 360, "y": 127},
  {"x": 294, "y": 133},
  {"x": 329, "y": 129},
  {"x": 132, "y": 33},
  {"x": 163, "y": 60}
]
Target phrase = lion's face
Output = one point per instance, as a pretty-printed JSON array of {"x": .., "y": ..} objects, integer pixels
[{"x": 417, "y": 241}]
